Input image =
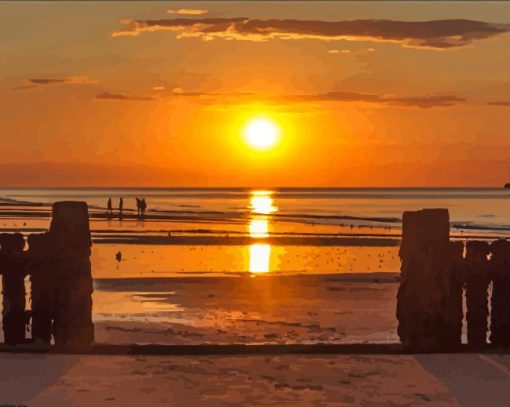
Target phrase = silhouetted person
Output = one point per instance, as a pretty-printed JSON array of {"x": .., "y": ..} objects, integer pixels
[
  {"x": 477, "y": 284},
  {"x": 500, "y": 310},
  {"x": 143, "y": 207},
  {"x": 118, "y": 256},
  {"x": 44, "y": 281},
  {"x": 12, "y": 266},
  {"x": 109, "y": 208},
  {"x": 138, "y": 207},
  {"x": 121, "y": 207}
]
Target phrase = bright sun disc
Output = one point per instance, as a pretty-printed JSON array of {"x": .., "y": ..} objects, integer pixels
[{"x": 261, "y": 133}]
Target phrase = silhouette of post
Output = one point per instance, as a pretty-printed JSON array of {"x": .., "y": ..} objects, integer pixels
[
  {"x": 421, "y": 296},
  {"x": 12, "y": 264},
  {"x": 74, "y": 329},
  {"x": 477, "y": 297},
  {"x": 454, "y": 284},
  {"x": 43, "y": 277},
  {"x": 500, "y": 304}
]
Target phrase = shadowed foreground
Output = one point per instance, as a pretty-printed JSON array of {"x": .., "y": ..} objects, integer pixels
[{"x": 377, "y": 380}]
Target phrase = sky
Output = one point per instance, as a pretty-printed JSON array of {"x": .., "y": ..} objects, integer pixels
[{"x": 364, "y": 94}]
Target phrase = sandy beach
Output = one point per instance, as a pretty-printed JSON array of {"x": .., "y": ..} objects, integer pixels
[{"x": 342, "y": 380}]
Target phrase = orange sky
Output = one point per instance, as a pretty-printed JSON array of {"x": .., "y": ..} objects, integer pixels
[{"x": 157, "y": 94}]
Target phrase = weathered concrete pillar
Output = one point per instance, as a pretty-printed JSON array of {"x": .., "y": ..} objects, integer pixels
[
  {"x": 44, "y": 280},
  {"x": 421, "y": 295},
  {"x": 477, "y": 297},
  {"x": 500, "y": 304},
  {"x": 12, "y": 267},
  {"x": 70, "y": 233}
]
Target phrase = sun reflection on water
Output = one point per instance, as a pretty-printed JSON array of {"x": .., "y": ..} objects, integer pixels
[
  {"x": 260, "y": 258},
  {"x": 259, "y": 228},
  {"x": 262, "y": 206}
]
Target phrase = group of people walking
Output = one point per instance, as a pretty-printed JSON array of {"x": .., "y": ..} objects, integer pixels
[{"x": 141, "y": 206}]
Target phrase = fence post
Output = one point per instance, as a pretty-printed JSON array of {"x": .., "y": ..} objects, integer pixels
[
  {"x": 74, "y": 329},
  {"x": 43, "y": 278},
  {"x": 453, "y": 281},
  {"x": 477, "y": 296},
  {"x": 500, "y": 304},
  {"x": 422, "y": 295},
  {"x": 12, "y": 265}
]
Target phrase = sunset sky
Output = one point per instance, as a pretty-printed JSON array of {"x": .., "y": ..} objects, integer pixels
[{"x": 158, "y": 93}]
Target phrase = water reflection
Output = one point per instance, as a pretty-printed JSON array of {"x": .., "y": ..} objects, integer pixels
[
  {"x": 262, "y": 206},
  {"x": 262, "y": 203},
  {"x": 260, "y": 257},
  {"x": 259, "y": 228}
]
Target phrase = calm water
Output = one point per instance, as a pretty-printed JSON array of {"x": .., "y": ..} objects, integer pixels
[
  {"x": 475, "y": 207},
  {"x": 260, "y": 215}
]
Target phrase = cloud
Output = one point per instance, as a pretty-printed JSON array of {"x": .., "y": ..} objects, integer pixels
[
  {"x": 24, "y": 87},
  {"x": 188, "y": 11},
  {"x": 46, "y": 81},
  {"x": 499, "y": 103},
  {"x": 438, "y": 34},
  {"x": 424, "y": 102},
  {"x": 71, "y": 80},
  {"x": 241, "y": 94},
  {"x": 116, "y": 96}
]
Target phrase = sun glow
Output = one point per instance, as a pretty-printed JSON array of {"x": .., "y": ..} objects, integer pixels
[
  {"x": 261, "y": 133},
  {"x": 261, "y": 206}
]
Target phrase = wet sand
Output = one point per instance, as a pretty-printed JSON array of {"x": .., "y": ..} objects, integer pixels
[{"x": 247, "y": 310}]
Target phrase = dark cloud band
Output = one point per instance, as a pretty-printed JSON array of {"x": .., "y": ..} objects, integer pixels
[
  {"x": 116, "y": 96},
  {"x": 439, "y": 34}
]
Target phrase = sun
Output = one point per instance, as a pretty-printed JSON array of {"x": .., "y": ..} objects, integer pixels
[{"x": 261, "y": 133}]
